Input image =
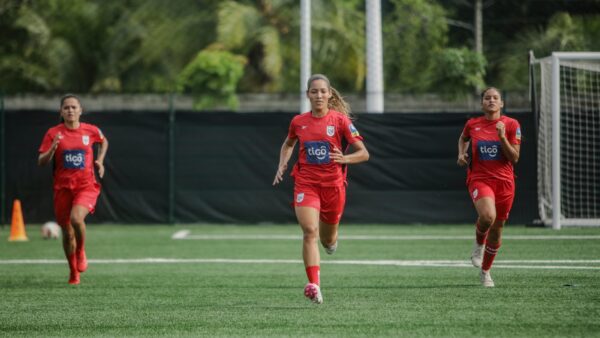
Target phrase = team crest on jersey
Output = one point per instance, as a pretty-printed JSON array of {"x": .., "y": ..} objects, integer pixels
[
  {"x": 85, "y": 139},
  {"x": 330, "y": 130},
  {"x": 353, "y": 130},
  {"x": 518, "y": 136},
  {"x": 300, "y": 197}
]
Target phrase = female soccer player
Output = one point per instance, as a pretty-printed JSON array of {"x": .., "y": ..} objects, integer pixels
[
  {"x": 495, "y": 144},
  {"x": 320, "y": 173},
  {"x": 70, "y": 144}
]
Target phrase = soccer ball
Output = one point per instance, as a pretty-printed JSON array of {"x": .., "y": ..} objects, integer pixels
[{"x": 50, "y": 230}]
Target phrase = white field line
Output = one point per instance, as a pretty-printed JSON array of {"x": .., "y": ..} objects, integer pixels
[
  {"x": 186, "y": 234},
  {"x": 510, "y": 264},
  {"x": 182, "y": 234}
]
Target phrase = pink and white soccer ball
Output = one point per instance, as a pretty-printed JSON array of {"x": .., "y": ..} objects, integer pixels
[{"x": 50, "y": 230}]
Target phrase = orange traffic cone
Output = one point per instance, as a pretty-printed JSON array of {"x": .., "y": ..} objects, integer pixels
[{"x": 17, "y": 227}]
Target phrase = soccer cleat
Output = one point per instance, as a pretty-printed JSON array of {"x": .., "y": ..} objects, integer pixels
[
  {"x": 486, "y": 279},
  {"x": 74, "y": 278},
  {"x": 477, "y": 255},
  {"x": 313, "y": 292},
  {"x": 330, "y": 249},
  {"x": 81, "y": 261}
]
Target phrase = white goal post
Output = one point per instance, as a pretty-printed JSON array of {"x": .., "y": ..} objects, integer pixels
[{"x": 566, "y": 98}]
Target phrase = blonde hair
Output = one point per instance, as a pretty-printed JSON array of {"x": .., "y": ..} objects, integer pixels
[{"x": 336, "y": 102}]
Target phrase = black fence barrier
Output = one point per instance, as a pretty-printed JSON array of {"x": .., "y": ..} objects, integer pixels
[{"x": 219, "y": 168}]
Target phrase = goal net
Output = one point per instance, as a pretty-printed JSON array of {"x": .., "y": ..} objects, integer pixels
[{"x": 566, "y": 97}]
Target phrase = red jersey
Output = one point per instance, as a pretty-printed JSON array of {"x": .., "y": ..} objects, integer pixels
[
  {"x": 73, "y": 159},
  {"x": 487, "y": 158},
  {"x": 317, "y": 137}
]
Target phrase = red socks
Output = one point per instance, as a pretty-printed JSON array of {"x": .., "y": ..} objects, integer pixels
[
  {"x": 488, "y": 256},
  {"x": 81, "y": 257},
  {"x": 74, "y": 275},
  {"x": 480, "y": 235},
  {"x": 81, "y": 243},
  {"x": 72, "y": 259},
  {"x": 313, "y": 274}
]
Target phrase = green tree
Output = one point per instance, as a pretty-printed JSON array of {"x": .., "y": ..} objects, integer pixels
[
  {"x": 24, "y": 65},
  {"x": 86, "y": 31},
  {"x": 171, "y": 34},
  {"x": 212, "y": 77},
  {"x": 338, "y": 42},
  {"x": 415, "y": 33},
  {"x": 267, "y": 32},
  {"x": 255, "y": 29},
  {"x": 459, "y": 72},
  {"x": 563, "y": 33},
  {"x": 100, "y": 46}
]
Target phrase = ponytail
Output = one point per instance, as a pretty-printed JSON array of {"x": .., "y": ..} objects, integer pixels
[{"x": 337, "y": 102}]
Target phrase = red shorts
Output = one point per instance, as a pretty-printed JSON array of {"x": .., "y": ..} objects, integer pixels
[
  {"x": 501, "y": 191},
  {"x": 65, "y": 199},
  {"x": 329, "y": 201}
]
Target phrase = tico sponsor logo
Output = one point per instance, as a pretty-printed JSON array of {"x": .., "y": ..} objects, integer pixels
[
  {"x": 489, "y": 150},
  {"x": 317, "y": 152},
  {"x": 74, "y": 159}
]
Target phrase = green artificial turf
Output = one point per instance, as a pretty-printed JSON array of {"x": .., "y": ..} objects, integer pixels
[{"x": 544, "y": 287}]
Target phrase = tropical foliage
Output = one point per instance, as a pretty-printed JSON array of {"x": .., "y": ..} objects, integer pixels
[
  {"x": 459, "y": 71},
  {"x": 563, "y": 33},
  {"x": 134, "y": 46},
  {"x": 99, "y": 46},
  {"x": 415, "y": 34},
  {"x": 212, "y": 77}
]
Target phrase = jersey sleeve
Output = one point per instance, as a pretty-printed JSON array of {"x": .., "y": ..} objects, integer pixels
[
  {"x": 97, "y": 136},
  {"x": 514, "y": 133},
  {"x": 351, "y": 134},
  {"x": 292, "y": 130},
  {"x": 467, "y": 129},
  {"x": 46, "y": 142}
]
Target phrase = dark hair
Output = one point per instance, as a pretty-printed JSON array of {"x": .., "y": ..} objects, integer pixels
[
  {"x": 69, "y": 96},
  {"x": 490, "y": 88},
  {"x": 336, "y": 102},
  {"x": 62, "y": 101}
]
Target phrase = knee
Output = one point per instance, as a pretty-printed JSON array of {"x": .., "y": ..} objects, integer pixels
[
  {"x": 487, "y": 219},
  {"x": 77, "y": 220},
  {"x": 310, "y": 234}
]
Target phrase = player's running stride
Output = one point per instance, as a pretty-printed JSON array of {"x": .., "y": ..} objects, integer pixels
[
  {"x": 495, "y": 146},
  {"x": 320, "y": 173},
  {"x": 70, "y": 144}
]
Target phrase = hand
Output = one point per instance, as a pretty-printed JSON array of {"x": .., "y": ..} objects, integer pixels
[
  {"x": 501, "y": 130},
  {"x": 100, "y": 168},
  {"x": 463, "y": 160},
  {"x": 338, "y": 156},
  {"x": 279, "y": 175},
  {"x": 56, "y": 141}
]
